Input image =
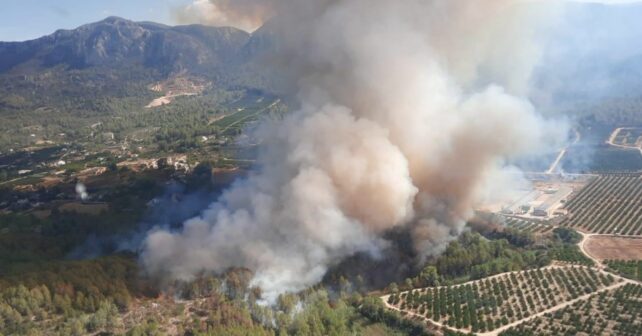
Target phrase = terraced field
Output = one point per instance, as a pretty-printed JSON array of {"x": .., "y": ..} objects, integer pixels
[
  {"x": 610, "y": 204},
  {"x": 613, "y": 312},
  {"x": 494, "y": 302}
]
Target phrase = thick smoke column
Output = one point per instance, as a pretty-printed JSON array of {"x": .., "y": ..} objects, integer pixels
[{"x": 409, "y": 111}]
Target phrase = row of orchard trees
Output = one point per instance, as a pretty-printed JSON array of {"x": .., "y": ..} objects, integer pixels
[
  {"x": 493, "y": 302},
  {"x": 614, "y": 312}
]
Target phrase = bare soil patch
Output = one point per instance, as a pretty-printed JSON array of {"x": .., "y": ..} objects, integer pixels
[{"x": 621, "y": 248}]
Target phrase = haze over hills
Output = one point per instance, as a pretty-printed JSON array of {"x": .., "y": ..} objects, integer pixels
[{"x": 591, "y": 61}]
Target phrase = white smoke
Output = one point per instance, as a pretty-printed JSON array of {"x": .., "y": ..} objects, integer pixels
[
  {"x": 409, "y": 112},
  {"x": 81, "y": 191}
]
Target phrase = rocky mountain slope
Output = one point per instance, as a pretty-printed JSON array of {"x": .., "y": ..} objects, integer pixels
[{"x": 116, "y": 42}]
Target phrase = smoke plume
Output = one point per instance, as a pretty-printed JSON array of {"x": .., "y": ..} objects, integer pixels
[
  {"x": 409, "y": 110},
  {"x": 81, "y": 191}
]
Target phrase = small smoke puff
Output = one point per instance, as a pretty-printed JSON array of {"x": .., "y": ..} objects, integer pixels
[
  {"x": 404, "y": 120},
  {"x": 81, "y": 191},
  {"x": 243, "y": 14}
]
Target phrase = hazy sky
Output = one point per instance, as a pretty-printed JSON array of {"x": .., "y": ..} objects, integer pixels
[{"x": 29, "y": 19}]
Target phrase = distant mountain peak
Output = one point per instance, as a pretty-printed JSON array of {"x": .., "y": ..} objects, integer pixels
[
  {"x": 116, "y": 41},
  {"x": 115, "y": 19}
]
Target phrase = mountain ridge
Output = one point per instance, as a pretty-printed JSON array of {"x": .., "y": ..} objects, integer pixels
[{"x": 115, "y": 40}]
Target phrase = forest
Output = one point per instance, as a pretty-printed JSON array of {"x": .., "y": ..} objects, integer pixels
[{"x": 45, "y": 293}]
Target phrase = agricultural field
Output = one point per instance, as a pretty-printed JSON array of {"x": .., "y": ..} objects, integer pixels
[
  {"x": 494, "y": 302},
  {"x": 234, "y": 123},
  {"x": 529, "y": 226},
  {"x": 569, "y": 254},
  {"x": 610, "y": 204},
  {"x": 609, "y": 247},
  {"x": 614, "y": 312},
  {"x": 631, "y": 269}
]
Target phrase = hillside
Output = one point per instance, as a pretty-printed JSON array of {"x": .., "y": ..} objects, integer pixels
[
  {"x": 120, "y": 42},
  {"x": 71, "y": 79}
]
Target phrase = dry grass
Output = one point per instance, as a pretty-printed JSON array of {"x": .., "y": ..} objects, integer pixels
[{"x": 621, "y": 248}]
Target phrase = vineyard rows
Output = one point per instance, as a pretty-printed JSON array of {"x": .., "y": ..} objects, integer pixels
[
  {"x": 610, "y": 204},
  {"x": 491, "y": 303},
  {"x": 613, "y": 312}
]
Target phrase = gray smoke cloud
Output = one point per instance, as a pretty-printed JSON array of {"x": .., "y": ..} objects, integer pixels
[{"x": 409, "y": 111}]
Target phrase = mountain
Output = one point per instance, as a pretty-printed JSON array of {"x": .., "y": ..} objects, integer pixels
[
  {"x": 120, "y": 59},
  {"x": 104, "y": 71},
  {"x": 119, "y": 42},
  {"x": 112, "y": 69}
]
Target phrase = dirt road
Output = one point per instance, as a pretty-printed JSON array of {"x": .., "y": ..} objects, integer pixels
[
  {"x": 611, "y": 140},
  {"x": 582, "y": 246},
  {"x": 553, "y": 168},
  {"x": 415, "y": 315}
]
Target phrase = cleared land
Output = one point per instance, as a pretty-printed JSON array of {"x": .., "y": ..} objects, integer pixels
[
  {"x": 176, "y": 87},
  {"x": 613, "y": 312},
  {"x": 608, "y": 247},
  {"x": 232, "y": 124},
  {"x": 610, "y": 204},
  {"x": 499, "y": 301}
]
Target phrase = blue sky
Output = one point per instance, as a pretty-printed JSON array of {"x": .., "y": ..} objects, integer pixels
[{"x": 28, "y": 19}]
